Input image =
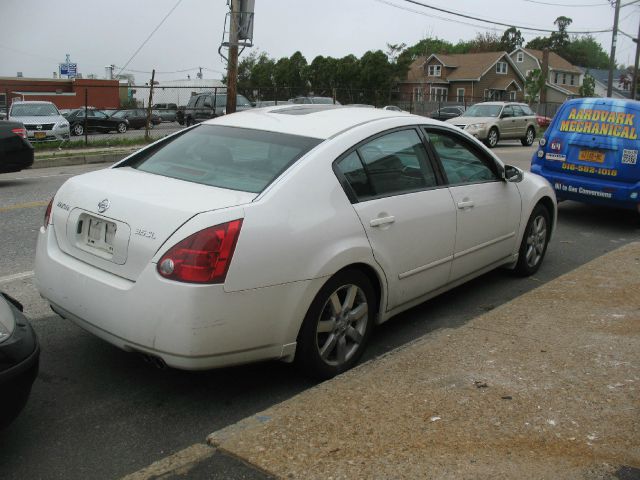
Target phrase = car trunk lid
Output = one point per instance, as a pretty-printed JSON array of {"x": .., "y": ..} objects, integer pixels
[{"x": 117, "y": 219}]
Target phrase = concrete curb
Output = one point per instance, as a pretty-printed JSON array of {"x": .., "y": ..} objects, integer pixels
[
  {"x": 82, "y": 158},
  {"x": 545, "y": 386}
]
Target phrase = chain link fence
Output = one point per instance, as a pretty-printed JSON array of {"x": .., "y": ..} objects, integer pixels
[{"x": 130, "y": 113}]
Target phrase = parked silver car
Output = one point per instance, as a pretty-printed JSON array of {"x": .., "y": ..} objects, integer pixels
[
  {"x": 42, "y": 120},
  {"x": 493, "y": 121}
]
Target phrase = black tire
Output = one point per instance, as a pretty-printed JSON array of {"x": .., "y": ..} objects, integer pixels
[
  {"x": 77, "y": 129},
  {"x": 529, "y": 137},
  {"x": 493, "y": 137},
  {"x": 326, "y": 350},
  {"x": 188, "y": 121},
  {"x": 121, "y": 127},
  {"x": 534, "y": 242}
]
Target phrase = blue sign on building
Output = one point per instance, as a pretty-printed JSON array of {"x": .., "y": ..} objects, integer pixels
[{"x": 69, "y": 69}]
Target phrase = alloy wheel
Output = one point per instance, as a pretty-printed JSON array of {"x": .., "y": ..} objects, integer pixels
[
  {"x": 342, "y": 325},
  {"x": 536, "y": 241}
]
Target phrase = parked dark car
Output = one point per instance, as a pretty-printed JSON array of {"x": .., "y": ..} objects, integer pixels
[
  {"x": 166, "y": 111},
  {"x": 97, "y": 121},
  {"x": 204, "y": 106},
  {"x": 137, "y": 117},
  {"x": 19, "y": 359},
  {"x": 314, "y": 100},
  {"x": 445, "y": 113},
  {"x": 16, "y": 153}
]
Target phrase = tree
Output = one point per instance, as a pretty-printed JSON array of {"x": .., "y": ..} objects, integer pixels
[
  {"x": 533, "y": 85},
  {"x": 586, "y": 52},
  {"x": 560, "y": 39},
  {"x": 485, "y": 42},
  {"x": 375, "y": 76},
  {"x": 539, "y": 43},
  {"x": 511, "y": 39},
  {"x": 588, "y": 87}
]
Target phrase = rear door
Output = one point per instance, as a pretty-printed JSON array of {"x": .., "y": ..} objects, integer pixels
[{"x": 408, "y": 216}]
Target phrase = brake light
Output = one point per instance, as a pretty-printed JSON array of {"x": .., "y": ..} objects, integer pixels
[
  {"x": 47, "y": 214},
  {"x": 21, "y": 132},
  {"x": 203, "y": 257}
]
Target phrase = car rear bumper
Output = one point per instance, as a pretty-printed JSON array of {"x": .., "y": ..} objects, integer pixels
[
  {"x": 188, "y": 326},
  {"x": 591, "y": 190}
]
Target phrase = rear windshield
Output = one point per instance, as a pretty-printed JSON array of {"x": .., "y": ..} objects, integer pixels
[{"x": 227, "y": 157}]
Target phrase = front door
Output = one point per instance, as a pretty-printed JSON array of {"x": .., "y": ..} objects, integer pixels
[{"x": 488, "y": 208}]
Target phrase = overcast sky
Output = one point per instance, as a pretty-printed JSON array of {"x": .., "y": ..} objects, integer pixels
[{"x": 36, "y": 34}]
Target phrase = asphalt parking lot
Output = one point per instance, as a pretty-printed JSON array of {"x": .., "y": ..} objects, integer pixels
[{"x": 98, "y": 412}]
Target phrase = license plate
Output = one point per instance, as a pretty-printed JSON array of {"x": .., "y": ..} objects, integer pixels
[
  {"x": 591, "y": 156},
  {"x": 40, "y": 135},
  {"x": 100, "y": 234}
]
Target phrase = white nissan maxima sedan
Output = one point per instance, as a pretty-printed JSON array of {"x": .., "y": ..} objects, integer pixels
[{"x": 284, "y": 233}]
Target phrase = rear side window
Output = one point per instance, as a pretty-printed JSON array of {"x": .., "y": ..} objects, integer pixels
[
  {"x": 391, "y": 164},
  {"x": 227, "y": 157}
]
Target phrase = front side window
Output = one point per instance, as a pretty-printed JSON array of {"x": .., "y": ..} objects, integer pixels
[
  {"x": 392, "y": 164},
  {"x": 226, "y": 157},
  {"x": 501, "y": 67},
  {"x": 461, "y": 164}
]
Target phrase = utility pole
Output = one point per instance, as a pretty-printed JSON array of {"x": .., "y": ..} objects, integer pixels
[
  {"x": 232, "y": 64},
  {"x": 148, "y": 124},
  {"x": 634, "y": 83},
  {"x": 614, "y": 38}
]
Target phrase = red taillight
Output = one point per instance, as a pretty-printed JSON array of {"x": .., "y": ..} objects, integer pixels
[
  {"x": 22, "y": 132},
  {"x": 47, "y": 213},
  {"x": 203, "y": 257}
]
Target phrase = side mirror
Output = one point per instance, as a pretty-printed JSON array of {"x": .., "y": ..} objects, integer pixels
[{"x": 512, "y": 174}]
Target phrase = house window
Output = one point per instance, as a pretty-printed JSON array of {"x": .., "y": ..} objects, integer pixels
[
  {"x": 573, "y": 82},
  {"x": 564, "y": 78},
  {"x": 557, "y": 75},
  {"x": 512, "y": 96},
  {"x": 438, "y": 94},
  {"x": 501, "y": 67},
  {"x": 520, "y": 57},
  {"x": 3, "y": 100},
  {"x": 460, "y": 95},
  {"x": 417, "y": 94},
  {"x": 434, "y": 70}
]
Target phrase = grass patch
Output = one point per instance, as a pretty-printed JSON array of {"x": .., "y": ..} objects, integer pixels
[{"x": 98, "y": 143}]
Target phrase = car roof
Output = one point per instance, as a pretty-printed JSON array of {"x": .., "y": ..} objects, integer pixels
[
  {"x": 316, "y": 121},
  {"x": 31, "y": 102}
]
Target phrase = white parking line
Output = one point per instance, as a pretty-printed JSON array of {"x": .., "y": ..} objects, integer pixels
[{"x": 16, "y": 276}]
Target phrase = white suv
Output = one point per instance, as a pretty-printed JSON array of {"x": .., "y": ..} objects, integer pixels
[{"x": 42, "y": 120}]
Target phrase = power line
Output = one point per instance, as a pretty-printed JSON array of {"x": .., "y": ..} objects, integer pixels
[
  {"x": 493, "y": 22},
  {"x": 568, "y": 4},
  {"x": 150, "y": 35},
  {"x": 430, "y": 15}
]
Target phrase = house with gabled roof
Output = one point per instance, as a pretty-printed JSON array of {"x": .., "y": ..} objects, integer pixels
[
  {"x": 564, "y": 79},
  {"x": 463, "y": 78}
]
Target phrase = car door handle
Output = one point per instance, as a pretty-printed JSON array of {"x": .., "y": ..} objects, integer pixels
[
  {"x": 376, "y": 222},
  {"x": 465, "y": 204}
]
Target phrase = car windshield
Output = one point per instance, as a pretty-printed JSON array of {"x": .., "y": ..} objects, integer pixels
[
  {"x": 34, "y": 110},
  {"x": 226, "y": 157},
  {"x": 483, "y": 111}
]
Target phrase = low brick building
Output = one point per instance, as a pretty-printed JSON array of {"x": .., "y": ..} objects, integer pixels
[{"x": 64, "y": 93}]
